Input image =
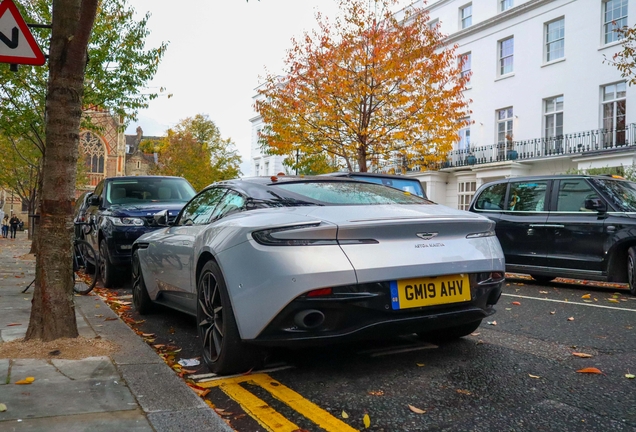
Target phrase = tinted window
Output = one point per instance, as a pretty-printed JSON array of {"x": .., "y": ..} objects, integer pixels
[
  {"x": 412, "y": 186},
  {"x": 199, "y": 211},
  {"x": 348, "y": 193},
  {"x": 622, "y": 193},
  {"x": 232, "y": 202},
  {"x": 572, "y": 195},
  {"x": 144, "y": 190},
  {"x": 492, "y": 198},
  {"x": 527, "y": 196}
]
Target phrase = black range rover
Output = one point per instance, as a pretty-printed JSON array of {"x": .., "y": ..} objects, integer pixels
[
  {"x": 575, "y": 226},
  {"x": 122, "y": 209}
]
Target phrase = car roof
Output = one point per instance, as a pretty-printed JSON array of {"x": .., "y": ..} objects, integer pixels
[
  {"x": 142, "y": 177},
  {"x": 368, "y": 174},
  {"x": 557, "y": 177}
]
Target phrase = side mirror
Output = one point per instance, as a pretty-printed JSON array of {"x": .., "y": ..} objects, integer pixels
[
  {"x": 162, "y": 218},
  {"x": 93, "y": 200},
  {"x": 595, "y": 204}
]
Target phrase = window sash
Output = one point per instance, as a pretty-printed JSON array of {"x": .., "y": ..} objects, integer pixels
[
  {"x": 505, "y": 4},
  {"x": 614, "y": 17},
  {"x": 506, "y": 56},
  {"x": 555, "y": 40},
  {"x": 466, "y": 15}
]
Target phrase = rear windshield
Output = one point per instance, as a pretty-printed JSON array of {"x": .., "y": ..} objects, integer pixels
[
  {"x": 622, "y": 193},
  {"x": 351, "y": 193},
  {"x": 147, "y": 190},
  {"x": 412, "y": 186}
]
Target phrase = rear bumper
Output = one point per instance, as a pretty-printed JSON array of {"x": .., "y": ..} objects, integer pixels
[{"x": 369, "y": 317}]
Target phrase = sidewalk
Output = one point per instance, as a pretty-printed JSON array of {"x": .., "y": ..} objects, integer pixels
[{"x": 132, "y": 390}]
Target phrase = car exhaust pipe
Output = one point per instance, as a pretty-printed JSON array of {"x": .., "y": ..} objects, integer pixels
[{"x": 309, "y": 319}]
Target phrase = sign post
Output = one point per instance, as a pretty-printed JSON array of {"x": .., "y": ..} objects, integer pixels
[{"x": 17, "y": 44}]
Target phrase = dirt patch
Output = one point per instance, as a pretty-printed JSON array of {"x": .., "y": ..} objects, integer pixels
[{"x": 66, "y": 348}]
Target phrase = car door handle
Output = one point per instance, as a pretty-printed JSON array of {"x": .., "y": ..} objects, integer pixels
[
  {"x": 611, "y": 228},
  {"x": 547, "y": 226},
  {"x": 186, "y": 243}
]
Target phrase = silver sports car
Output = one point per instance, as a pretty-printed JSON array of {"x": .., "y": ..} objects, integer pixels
[{"x": 271, "y": 261}]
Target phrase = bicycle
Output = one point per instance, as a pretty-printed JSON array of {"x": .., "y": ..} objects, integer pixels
[{"x": 85, "y": 265}]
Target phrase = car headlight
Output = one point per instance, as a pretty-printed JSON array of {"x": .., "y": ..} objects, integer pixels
[{"x": 126, "y": 221}]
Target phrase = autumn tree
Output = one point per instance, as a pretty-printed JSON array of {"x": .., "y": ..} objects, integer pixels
[
  {"x": 367, "y": 87},
  {"x": 625, "y": 59},
  {"x": 195, "y": 150}
]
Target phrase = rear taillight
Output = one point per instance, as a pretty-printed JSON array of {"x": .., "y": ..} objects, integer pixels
[{"x": 321, "y": 292}]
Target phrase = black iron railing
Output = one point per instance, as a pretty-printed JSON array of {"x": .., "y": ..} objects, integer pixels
[{"x": 566, "y": 144}]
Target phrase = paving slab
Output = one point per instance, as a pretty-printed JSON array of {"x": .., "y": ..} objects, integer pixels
[
  {"x": 202, "y": 419},
  {"x": 120, "y": 421},
  {"x": 4, "y": 371},
  {"x": 99, "y": 368}
]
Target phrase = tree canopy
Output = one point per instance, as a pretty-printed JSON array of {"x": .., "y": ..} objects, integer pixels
[
  {"x": 195, "y": 150},
  {"x": 625, "y": 59},
  {"x": 366, "y": 88}
]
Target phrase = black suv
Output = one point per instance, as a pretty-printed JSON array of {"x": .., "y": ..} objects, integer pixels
[
  {"x": 575, "y": 226},
  {"x": 123, "y": 208}
]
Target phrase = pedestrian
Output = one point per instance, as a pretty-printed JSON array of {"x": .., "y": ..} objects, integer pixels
[
  {"x": 5, "y": 226},
  {"x": 14, "y": 222}
]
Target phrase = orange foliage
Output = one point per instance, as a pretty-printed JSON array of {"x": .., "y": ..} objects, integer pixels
[{"x": 365, "y": 88}]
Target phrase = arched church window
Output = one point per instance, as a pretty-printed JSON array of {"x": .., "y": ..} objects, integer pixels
[{"x": 92, "y": 149}]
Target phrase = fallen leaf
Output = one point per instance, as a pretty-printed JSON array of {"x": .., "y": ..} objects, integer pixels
[
  {"x": 590, "y": 370},
  {"x": 552, "y": 312},
  {"x": 534, "y": 376},
  {"x": 420, "y": 364},
  {"x": 586, "y": 296},
  {"x": 199, "y": 390},
  {"x": 416, "y": 410},
  {"x": 508, "y": 308},
  {"x": 148, "y": 334},
  {"x": 543, "y": 292},
  {"x": 376, "y": 393},
  {"x": 630, "y": 376},
  {"x": 55, "y": 352},
  {"x": 210, "y": 404},
  {"x": 366, "y": 420},
  {"x": 516, "y": 303},
  {"x": 475, "y": 334},
  {"x": 99, "y": 316},
  {"x": 492, "y": 323},
  {"x": 613, "y": 300},
  {"x": 13, "y": 324},
  {"x": 3, "y": 407},
  {"x": 571, "y": 319},
  {"x": 110, "y": 319},
  {"x": 344, "y": 415},
  {"x": 464, "y": 392},
  {"x": 582, "y": 355}
]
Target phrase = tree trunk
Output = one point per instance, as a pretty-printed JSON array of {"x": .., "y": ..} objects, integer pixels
[
  {"x": 362, "y": 158},
  {"x": 53, "y": 311}
]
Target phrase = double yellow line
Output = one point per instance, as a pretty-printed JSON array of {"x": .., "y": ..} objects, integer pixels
[{"x": 265, "y": 415}]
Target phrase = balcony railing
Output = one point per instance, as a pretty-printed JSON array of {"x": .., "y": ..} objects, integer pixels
[{"x": 567, "y": 144}]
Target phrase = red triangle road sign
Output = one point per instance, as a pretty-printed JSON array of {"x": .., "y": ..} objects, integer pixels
[{"x": 17, "y": 45}]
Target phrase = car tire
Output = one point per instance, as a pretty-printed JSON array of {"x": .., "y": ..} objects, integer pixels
[
  {"x": 451, "y": 333},
  {"x": 223, "y": 351},
  {"x": 141, "y": 300},
  {"x": 631, "y": 270},
  {"x": 543, "y": 279},
  {"x": 106, "y": 269}
]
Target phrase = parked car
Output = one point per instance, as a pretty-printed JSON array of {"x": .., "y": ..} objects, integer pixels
[
  {"x": 574, "y": 226},
  {"x": 122, "y": 209},
  {"x": 407, "y": 184},
  {"x": 289, "y": 260},
  {"x": 80, "y": 216}
]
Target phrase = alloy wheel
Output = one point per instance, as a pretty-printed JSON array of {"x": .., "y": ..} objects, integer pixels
[
  {"x": 210, "y": 317},
  {"x": 630, "y": 274}
]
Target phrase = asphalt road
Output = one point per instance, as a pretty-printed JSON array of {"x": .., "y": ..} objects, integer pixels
[{"x": 517, "y": 373}]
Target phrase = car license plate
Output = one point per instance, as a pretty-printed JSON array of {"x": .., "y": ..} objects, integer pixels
[{"x": 410, "y": 293}]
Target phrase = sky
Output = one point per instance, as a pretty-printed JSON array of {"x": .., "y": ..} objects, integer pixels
[{"x": 216, "y": 53}]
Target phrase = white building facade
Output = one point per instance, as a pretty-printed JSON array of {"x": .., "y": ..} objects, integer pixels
[
  {"x": 544, "y": 100},
  {"x": 262, "y": 164}
]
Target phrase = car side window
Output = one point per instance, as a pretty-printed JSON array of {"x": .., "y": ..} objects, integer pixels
[
  {"x": 199, "y": 210},
  {"x": 492, "y": 198},
  {"x": 527, "y": 196},
  {"x": 232, "y": 202},
  {"x": 572, "y": 195}
]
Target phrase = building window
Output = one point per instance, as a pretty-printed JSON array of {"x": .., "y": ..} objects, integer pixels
[
  {"x": 465, "y": 62},
  {"x": 614, "y": 106},
  {"x": 504, "y": 5},
  {"x": 266, "y": 168},
  {"x": 465, "y": 192},
  {"x": 92, "y": 149},
  {"x": 464, "y": 135},
  {"x": 553, "y": 120},
  {"x": 466, "y": 15},
  {"x": 433, "y": 24},
  {"x": 614, "y": 17},
  {"x": 504, "y": 131},
  {"x": 506, "y": 55},
  {"x": 555, "y": 40},
  {"x": 25, "y": 206},
  {"x": 258, "y": 169}
]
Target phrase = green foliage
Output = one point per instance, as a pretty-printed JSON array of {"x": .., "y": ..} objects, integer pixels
[{"x": 195, "y": 150}]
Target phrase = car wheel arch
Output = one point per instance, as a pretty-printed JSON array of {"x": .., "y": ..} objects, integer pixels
[{"x": 617, "y": 262}]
